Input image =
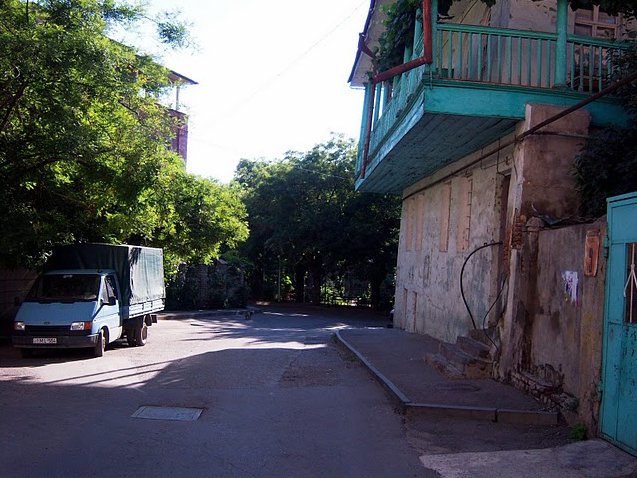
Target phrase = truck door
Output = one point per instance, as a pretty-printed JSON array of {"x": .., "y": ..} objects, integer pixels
[{"x": 109, "y": 313}]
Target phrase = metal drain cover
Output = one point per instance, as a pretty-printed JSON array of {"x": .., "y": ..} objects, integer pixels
[{"x": 168, "y": 413}]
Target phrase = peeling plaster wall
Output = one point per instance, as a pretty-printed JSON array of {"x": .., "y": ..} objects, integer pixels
[
  {"x": 542, "y": 184},
  {"x": 431, "y": 256},
  {"x": 551, "y": 336},
  {"x": 566, "y": 324},
  {"x": 538, "y": 16}
]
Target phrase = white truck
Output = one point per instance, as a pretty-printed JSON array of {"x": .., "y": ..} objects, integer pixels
[{"x": 90, "y": 295}]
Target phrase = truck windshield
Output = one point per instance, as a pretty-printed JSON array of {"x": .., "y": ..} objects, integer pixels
[{"x": 65, "y": 288}]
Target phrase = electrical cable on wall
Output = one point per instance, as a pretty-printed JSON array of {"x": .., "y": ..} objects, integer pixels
[{"x": 464, "y": 299}]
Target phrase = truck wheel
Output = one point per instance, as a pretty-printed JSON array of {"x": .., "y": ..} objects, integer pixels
[
  {"x": 100, "y": 345},
  {"x": 141, "y": 335},
  {"x": 130, "y": 338}
]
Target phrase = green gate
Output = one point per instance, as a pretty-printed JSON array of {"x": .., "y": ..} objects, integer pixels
[{"x": 618, "y": 417}]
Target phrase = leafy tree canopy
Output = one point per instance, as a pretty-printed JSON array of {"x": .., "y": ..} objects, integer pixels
[
  {"x": 303, "y": 211},
  {"x": 84, "y": 143}
]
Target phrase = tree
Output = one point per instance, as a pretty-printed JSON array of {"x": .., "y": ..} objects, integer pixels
[
  {"x": 306, "y": 218},
  {"x": 607, "y": 165},
  {"x": 197, "y": 217},
  {"x": 84, "y": 143}
]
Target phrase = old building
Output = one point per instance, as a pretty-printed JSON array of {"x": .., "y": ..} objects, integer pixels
[{"x": 478, "y": 129}]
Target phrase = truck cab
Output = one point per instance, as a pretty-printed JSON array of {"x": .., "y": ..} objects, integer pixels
[
  {"x": 70, "y": 309},
  {"x": 91, "y": 295}
]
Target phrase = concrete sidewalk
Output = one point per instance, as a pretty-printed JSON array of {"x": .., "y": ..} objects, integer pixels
[
  {"x": 505, "y": 446},
  {"x": 396, "y": 359}
]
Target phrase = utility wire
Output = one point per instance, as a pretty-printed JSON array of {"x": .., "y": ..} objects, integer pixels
[{"x": 267, "y": 83}]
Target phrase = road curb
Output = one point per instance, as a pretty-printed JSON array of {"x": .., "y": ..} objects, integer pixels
[
  {"x": 407, "y": 407},
  {"x": 396, "y": 394}
]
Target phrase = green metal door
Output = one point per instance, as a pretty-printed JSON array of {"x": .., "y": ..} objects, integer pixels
[{"x": 618, "y": 418}]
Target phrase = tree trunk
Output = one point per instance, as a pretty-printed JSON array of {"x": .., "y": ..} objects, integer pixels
[
  {"x": 316, "y": 272},
  {"x": 375, "y": 281},
  {"x": 299, "y": 282}
]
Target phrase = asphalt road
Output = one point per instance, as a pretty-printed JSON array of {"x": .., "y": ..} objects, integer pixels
[{"x": 277, "y": 398}]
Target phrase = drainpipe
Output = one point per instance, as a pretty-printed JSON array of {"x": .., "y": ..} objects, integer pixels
[
  {"x": 560, "y": 47},
  {"x": 425, "y": 59}
]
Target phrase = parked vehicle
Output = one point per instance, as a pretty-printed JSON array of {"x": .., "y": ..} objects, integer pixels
[{"x": 91, "y": 295}]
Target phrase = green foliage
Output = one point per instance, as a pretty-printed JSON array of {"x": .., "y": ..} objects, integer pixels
[
  {"x": 606, "y": 168},
  {"x": 608, "y": 164},
  {"x": 579, "y": 432},
  {"x": 197, "y": 217},
  {"x": 305, "y": 216},
  {"x": 398, "y": 33},
  {"x": 84, "y": 143}
]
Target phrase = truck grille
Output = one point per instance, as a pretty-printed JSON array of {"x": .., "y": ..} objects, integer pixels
[{"x": 52, "y": 331}]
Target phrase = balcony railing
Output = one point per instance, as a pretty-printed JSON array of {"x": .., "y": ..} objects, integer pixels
[
  {"x": 522, "y": 58},
  {"x": 500, "y": 57}
]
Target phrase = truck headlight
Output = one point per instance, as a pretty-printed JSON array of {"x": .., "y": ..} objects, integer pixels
[
  {"x": 81, "y": 325},
  {"x": 18, "y": 326}
]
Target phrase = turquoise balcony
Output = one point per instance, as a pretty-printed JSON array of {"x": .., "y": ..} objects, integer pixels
[{"x": 474, "y": 93}]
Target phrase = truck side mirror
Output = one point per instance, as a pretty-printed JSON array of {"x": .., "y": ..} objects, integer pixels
[{"x": 112, "y": 300}]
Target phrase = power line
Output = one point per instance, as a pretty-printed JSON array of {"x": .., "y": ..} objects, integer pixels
[{"x": 266, "y": 84}]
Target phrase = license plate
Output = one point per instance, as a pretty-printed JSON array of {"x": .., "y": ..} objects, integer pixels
[{"x": 45, "y": 340}]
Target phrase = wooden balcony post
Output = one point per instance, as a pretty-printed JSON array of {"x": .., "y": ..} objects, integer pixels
[
  {"x": 560, "y": 48},
  {"x": 434, "y": 33},
  {"x": 364, "y": 120},
  {"x": 379, "y": 93},
  {"x": 417, "y": 33}
]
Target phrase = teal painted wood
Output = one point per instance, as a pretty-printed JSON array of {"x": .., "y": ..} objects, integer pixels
[
  {"x": 493, "y": 73},
  {"x": 549, "y": 60},
  {"x": 618, "y": 414},
  {"x": 561, "y": 43}
]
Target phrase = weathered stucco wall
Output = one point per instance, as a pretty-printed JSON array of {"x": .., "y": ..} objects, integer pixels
[
  {"x": 441, "y": 225},
  {"x": 551, "y": 344},
  {"x": 568, "y": 315},
  {"x": 560, "y": 350},
  {"x": 538, "y": 16}
]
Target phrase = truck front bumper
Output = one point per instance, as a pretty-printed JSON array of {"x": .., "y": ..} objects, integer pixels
[{"x": 64, "y": 341}]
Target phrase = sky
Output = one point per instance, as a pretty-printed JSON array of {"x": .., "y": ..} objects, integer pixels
[{"x": 272, "y": 77}]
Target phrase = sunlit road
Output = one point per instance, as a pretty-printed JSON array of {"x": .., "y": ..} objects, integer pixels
[{"x": 278, "y": 398}]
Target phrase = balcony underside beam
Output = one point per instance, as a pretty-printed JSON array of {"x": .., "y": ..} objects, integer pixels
[{"x": 446, "y": 122}]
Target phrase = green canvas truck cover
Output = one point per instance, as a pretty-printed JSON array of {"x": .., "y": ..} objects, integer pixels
[{"x": 140, "y": 270}]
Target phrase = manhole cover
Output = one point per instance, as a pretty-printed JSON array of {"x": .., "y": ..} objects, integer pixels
[{"x": 168, "y": 413}]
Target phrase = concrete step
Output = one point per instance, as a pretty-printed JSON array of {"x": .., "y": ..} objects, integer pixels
[
  {"x": 474, "y": 347},
  {"x": 484, "y": 336},
  {"x": 471, "y": 366}
]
